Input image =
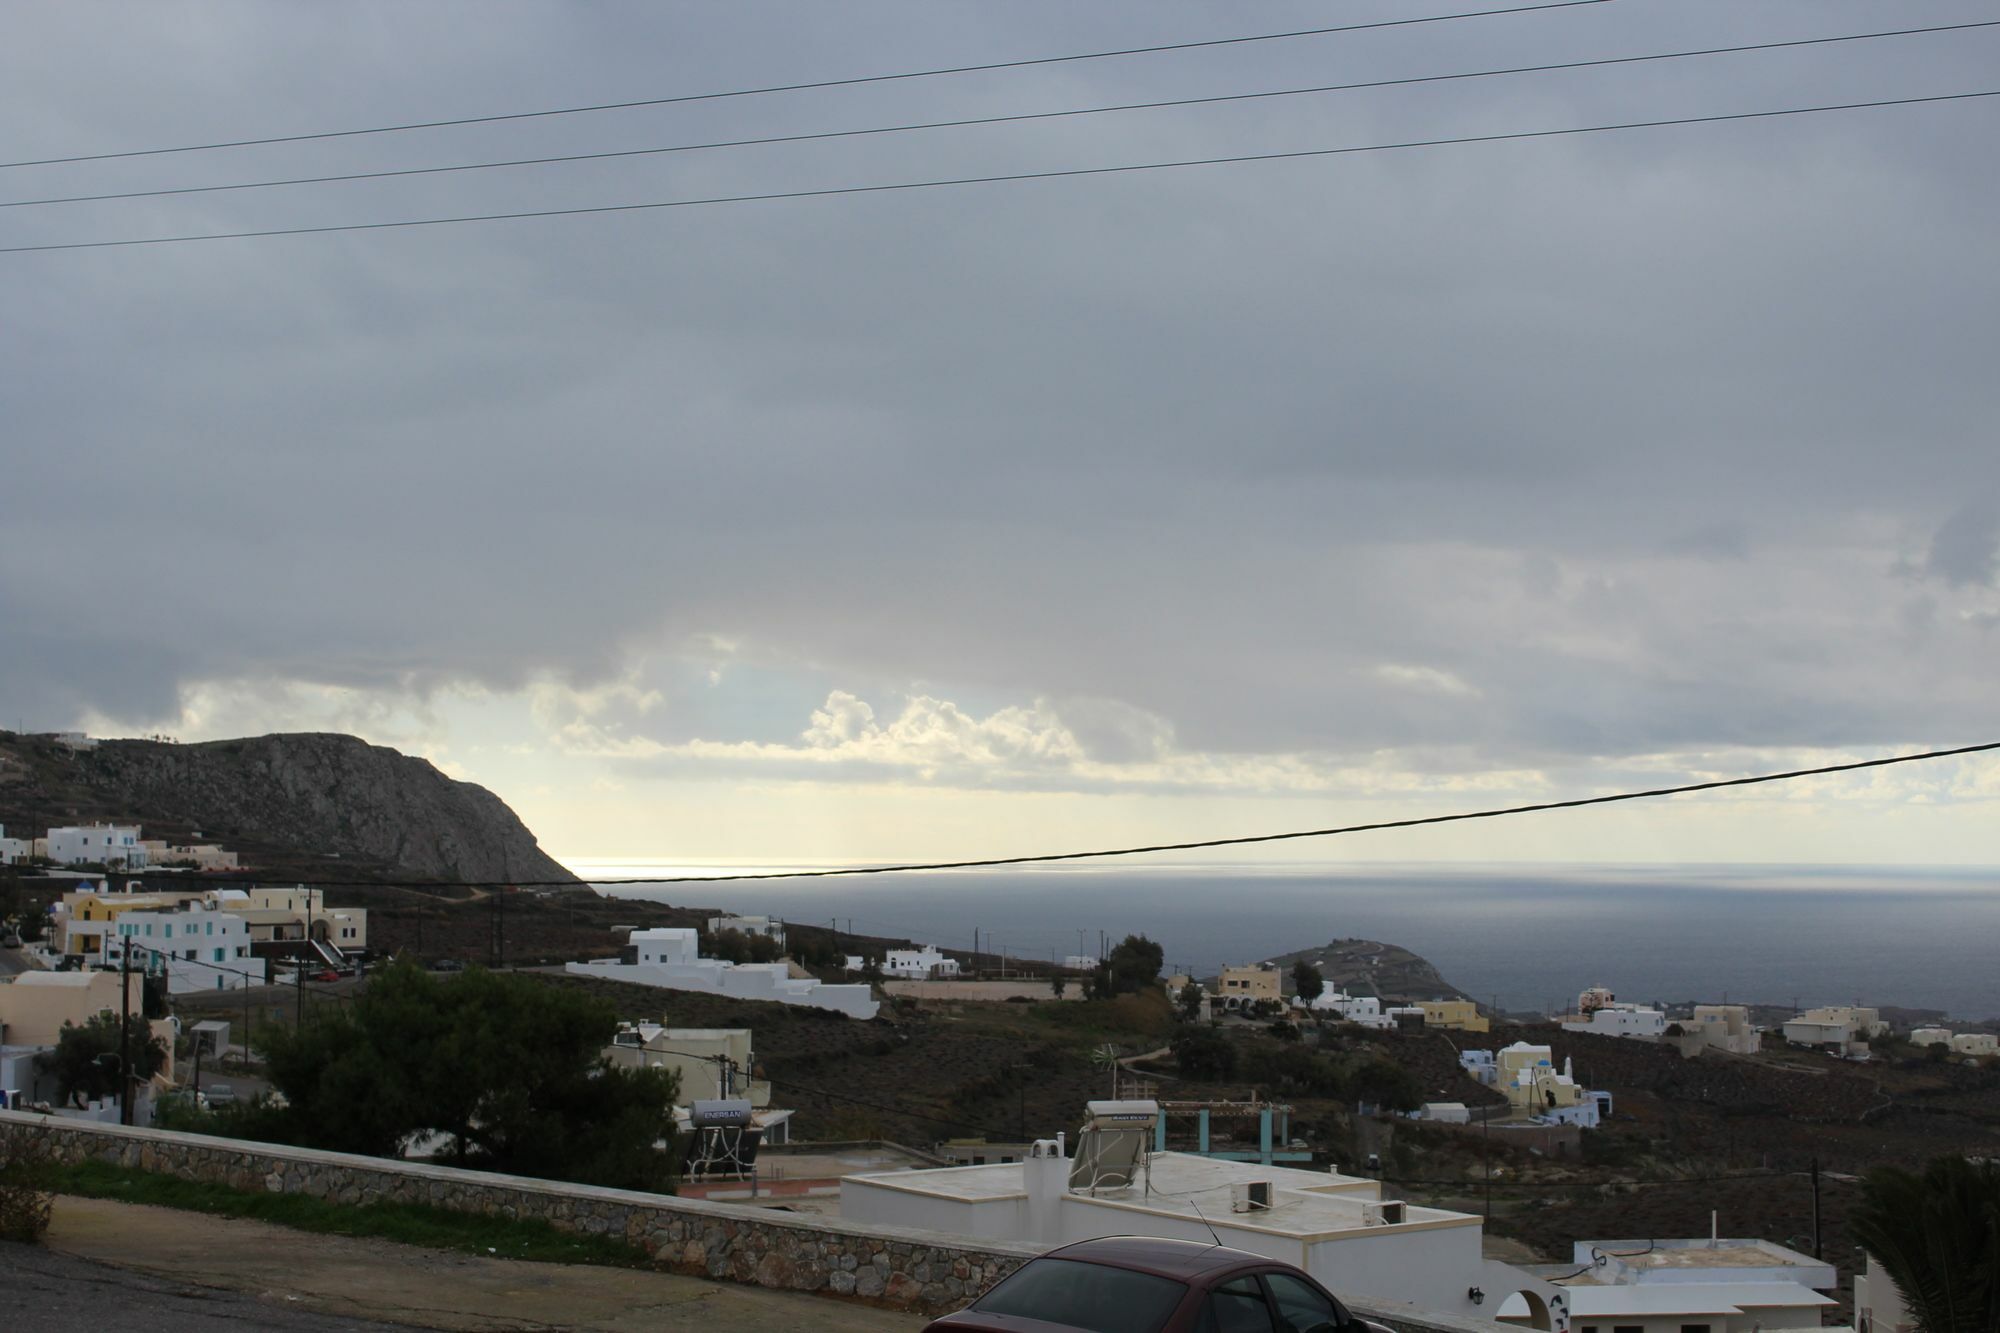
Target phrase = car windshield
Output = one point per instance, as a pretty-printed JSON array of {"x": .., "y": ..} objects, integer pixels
[{"x": 1088, "y": 1296}]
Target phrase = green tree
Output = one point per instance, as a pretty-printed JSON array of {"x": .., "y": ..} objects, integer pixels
[
  {"x": 1382, "y": 1081},
  {"x": 1190, "y": 1000},
  {"x": 1307, "y": 981},
  {"x": 1938, "y": 1237},
  {"x": 85, "y": 1060},
  {"x": 511, "y": 1070},
  {"x": 1205, "y": 1054},
  {"x": 1135, "y": 964},
  {"x": 1058, "y": 983}
]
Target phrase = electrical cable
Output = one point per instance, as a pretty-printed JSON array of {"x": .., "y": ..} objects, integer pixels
[
  {"x": 982, "y": 120},
  {"x": 1005, "y": 178},
  {"x": 803, "y": 87}
]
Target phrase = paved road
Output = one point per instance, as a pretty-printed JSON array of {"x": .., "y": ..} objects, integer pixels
[
  {"x": 403, "y": 1285},
  {"x": 14, "y": 960},
  {"x": 50, "y": 1292}
]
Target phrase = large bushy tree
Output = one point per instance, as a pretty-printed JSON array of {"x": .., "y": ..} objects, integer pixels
[
  {"x": 1135, "y": 965},
  {"x": 1937, "y": 1235},
  {"x": 510, "y": 1069},
  {"x": 85, "y": 1060},
  {"x": 1307, "y": 981}
]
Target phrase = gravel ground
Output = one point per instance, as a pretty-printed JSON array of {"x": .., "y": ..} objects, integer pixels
[{"x": 48, "y": 1292}]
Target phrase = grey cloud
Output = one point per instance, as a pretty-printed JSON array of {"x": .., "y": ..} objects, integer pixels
[
  {"x": 1966, "y": 548},
  {"x": 1625, "y": 430}
]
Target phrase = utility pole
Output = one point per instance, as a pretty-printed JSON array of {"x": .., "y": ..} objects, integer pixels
[
  {"x": 1815, "y": 1190},
  {"x": 125, "y": 1032}
]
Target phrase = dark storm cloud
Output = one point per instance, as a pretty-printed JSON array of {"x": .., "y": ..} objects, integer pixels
[{"x": 1629, "y": 434}]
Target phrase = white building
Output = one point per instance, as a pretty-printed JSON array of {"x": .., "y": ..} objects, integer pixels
[
  {"x": 99, "y": 844},
  {"x": 1878, "y": 1303},
  {"x": 919, "y": 963},
  {"x": 14, "y": 850},
  {"x": 768, "y": 926},
  {"x": 1365, "y": 1010},
  {"x": 1079, "y": 962},
  {"x": 1975, "y": 1043},
  {"x": 199, "y": 948},
  {"x": 1619, "y": 1020},
  {"x": 670, "y": 958},
  {"x": 1931, "y": 1037},
  {"x": 1725, "y": 1285},
  {"x": 1338, "y": 1228}
]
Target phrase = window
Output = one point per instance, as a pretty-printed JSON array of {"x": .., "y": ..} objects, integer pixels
[
  {"x": 1628, "y": 1328},
  {"x": 1236, "y": 1307},
  {"x": 220, "y": 953},
  {"x": 1694, "y": 1328},
  {"x": 1303, "y": 1308},
  {"x": 190, "y": 955},
  {"x": 1088, "y": 1296}
]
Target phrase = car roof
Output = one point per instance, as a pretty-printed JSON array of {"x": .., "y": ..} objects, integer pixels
[{"x": 1183, "y": 1260}]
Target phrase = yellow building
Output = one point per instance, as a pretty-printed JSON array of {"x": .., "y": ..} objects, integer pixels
[
  {"x": 1532, "y": 1082},
  {"x": 86, "y": 916},
  {"x": 1247, "y": 985},
  {"x": 1457, "y": 1015}
]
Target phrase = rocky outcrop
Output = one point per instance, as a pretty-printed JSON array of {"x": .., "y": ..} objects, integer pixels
[{"x": 303, "y": 796}]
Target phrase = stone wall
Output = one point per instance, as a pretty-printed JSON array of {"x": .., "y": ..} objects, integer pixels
[{"x": 890, "y": 1266}]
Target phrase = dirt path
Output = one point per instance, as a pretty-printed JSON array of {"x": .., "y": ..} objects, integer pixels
[{"x": 378, "y": 1280}]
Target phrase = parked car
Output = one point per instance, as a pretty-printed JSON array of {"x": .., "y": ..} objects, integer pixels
[
  {"x": 448, "y": 965},
  {"x": 10, "y": 939},
  {"x": 1145, "y": 1284},
  {"x": 219, "y": 1094},
  {"x": 325, "y": 974}
]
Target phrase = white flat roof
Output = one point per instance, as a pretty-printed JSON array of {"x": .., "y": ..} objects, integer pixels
[
  {"x": 1305, "y": 1204},
  {"x": 78, "y": 979},
  {"x": 1647, "y": 1298}
]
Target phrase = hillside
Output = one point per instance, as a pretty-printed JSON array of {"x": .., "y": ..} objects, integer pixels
[
  {"x": 290, "y": 803},
  {"x": 1369, "y": 967}
]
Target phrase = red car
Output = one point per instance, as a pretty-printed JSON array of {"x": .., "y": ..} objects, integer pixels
[
  {"x": 328, "y": 975},
  {"x": 1141, "y": 1284}
]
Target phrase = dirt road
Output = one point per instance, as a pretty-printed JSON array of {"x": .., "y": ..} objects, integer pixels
[{"x": 349, "y": 1279}]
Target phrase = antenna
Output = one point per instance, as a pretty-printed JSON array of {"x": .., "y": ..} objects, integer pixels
[{"x": 1204, "y": 1221}]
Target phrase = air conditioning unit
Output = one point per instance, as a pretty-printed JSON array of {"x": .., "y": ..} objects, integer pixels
[
  {"x": 1389, "y": 1213},
  {"x": 1253, "y": 1196}
]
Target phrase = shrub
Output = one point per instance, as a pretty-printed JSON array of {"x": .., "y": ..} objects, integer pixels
[{"x": 27, "y": 1176}]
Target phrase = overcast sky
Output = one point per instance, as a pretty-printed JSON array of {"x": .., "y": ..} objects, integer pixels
[{"x": 1048, "y": 513}]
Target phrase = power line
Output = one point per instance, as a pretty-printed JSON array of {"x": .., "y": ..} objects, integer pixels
[
  {"x": 1126, "y": 169},
  {"x": 1500, "y": 812},
  {"x": 969, "y": 122},
  {"x": 803, "y": 87}
]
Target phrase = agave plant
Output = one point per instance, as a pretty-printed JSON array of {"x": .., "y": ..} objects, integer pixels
[{"x": 1937, "y": 1235}]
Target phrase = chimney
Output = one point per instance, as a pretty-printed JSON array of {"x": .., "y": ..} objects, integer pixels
[{"x": 1045, "y": 1177}]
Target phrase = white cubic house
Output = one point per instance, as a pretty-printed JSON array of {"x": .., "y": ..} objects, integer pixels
[
  {"x": 199, "y": 948},
  {"x": 919, "y": 963},
  {"x": 1721, "y": 1285},
  {"x": 670, "y": 958},
  {"x": 1619, "y": 1020},
  {"x": 97, "y": 844},
  {"x": 768, "y": 926},
  {"x": 1338, "y": 1228},
  {"x": 13, "y": 850}
]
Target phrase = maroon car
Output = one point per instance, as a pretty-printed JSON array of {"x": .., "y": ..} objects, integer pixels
[{"x": 1140, "y": 1284}]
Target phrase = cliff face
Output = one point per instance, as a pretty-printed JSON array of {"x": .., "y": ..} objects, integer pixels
[{"x": 290, "y": 800}]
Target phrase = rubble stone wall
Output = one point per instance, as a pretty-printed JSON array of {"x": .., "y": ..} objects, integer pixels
[{"x": 888, "y": 1266}]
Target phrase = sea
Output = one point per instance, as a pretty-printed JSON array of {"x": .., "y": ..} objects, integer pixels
[{"x": 1526, "y": 937}]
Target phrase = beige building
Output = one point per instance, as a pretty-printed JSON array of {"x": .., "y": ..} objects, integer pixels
[
  {"x": 1721, "y": 1027},
  {"x": 34, "y": 1006},
  {"x": 713, "y": 1063},
  {"x": 1247, "y": 985},
  {"x": 1456, "y": 1015},
  {"x": 206, "y": 856},
  {"x": 287, "y": 912}
]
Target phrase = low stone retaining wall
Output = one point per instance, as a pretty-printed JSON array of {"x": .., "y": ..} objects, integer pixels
[{"x": 890, "y": 1266}]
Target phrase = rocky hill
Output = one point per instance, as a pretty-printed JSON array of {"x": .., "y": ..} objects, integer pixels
[
  {"x": 287, "y": 802},
  {"x": 1369, "y": 967}
]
